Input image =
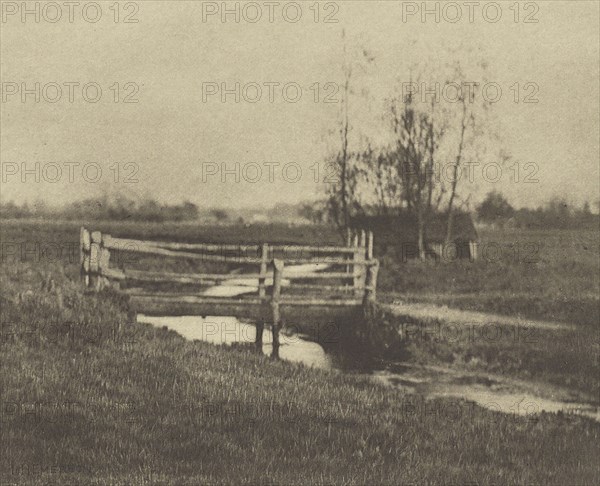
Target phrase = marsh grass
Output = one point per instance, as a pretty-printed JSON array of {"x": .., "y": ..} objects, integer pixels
[{"x": 140, "y": 405}]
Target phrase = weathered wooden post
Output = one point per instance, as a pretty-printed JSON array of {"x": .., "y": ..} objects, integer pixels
[
  {"x": 260, "y": 325},
  {"x": 104, "y": 262},
  {"x": 473, "y": 250},
  {"x": 370, "y": 245},
  {"x": 84, "y": 255},
  {"x": 358, "y": 269},
  {"x": 95, "y": 251},
  {"x": 348, "y": 245},
  {"x": 275, "y": 296},
  {"x": 372, "y": 270},
  {"x": 370, "y": 295}
]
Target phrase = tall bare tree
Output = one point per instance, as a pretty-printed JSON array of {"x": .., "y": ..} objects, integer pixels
[
  {"x": 413, "y": 156},
  {"x": 343, "y": 193},
  {"x": 466, "y": 117},
  {"x": 431, "y": 141}
]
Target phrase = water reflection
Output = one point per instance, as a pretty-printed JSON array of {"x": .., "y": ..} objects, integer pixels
[{"x": 230, "y": 331}]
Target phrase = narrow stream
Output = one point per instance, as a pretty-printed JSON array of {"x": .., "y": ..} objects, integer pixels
[
  {"x": 230, "y": 331},
  {"x": 496, "y": 393},
  {"x": 489, "y": 391}
]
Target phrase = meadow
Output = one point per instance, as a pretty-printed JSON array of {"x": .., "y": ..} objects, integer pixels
[
  {"x": 538, "y": 274},
  {"x": 547, "y": 275},
  {"x": 91, "y": 397}
]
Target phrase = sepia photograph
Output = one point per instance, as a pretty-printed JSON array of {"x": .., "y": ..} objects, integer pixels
[{"x": 288, "y": 243}]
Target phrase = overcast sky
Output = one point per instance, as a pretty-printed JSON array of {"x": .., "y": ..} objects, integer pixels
[{"x": 172, "y": 143}]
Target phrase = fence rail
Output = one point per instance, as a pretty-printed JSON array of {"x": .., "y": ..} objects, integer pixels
[
  {"x": 353, "y": 266},
  {"x": 127, "y": 244}
]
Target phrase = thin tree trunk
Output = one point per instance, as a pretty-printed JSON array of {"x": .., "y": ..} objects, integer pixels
[
  {"x": 344, "y": 162},
  {"x": 450, "y": 213},
  {"x": 432, "y": 148}
]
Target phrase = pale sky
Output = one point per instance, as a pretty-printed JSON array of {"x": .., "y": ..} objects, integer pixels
[{"x": 172, "y": 134}]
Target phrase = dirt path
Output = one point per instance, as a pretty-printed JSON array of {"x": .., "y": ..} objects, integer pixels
[{"x": 466, "y": 317}]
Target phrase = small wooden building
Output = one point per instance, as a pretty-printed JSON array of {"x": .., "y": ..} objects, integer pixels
[{"x": 400, "y": 232}]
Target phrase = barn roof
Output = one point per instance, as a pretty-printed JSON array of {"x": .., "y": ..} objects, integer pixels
[{"x": 403, "y": 227}]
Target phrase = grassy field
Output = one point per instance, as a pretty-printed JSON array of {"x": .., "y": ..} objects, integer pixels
[
  {"x": 550, "y": 274},
  {"x": 68, "y": 231},
  {"x": 88, "y": 397},
  {"x": 567, "y": 358},
  {"x": 59, "y": 242}
]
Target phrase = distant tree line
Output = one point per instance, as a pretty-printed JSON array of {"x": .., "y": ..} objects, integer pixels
[
  {"x": 118, "y": 208},
  {"x": 556, "y": 214}
]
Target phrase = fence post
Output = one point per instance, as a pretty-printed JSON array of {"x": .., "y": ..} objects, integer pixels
[
  {"x": 84, "y": 255},
  {"x": 358, "y": 270},
  {"x": 104, "y": 262},
  {"x": 260, "y": 325},
  {"x": 348, "y": 245},
  {"x": 95, "y": 252},
  {"x": 370, "y": 245},
  {"x": 473, "y": 250},
  {"x": 370, "y": 295},
  {"x": 277, "y": 276}
]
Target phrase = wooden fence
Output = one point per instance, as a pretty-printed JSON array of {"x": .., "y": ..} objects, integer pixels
[{"x": 345, "y": 278}]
